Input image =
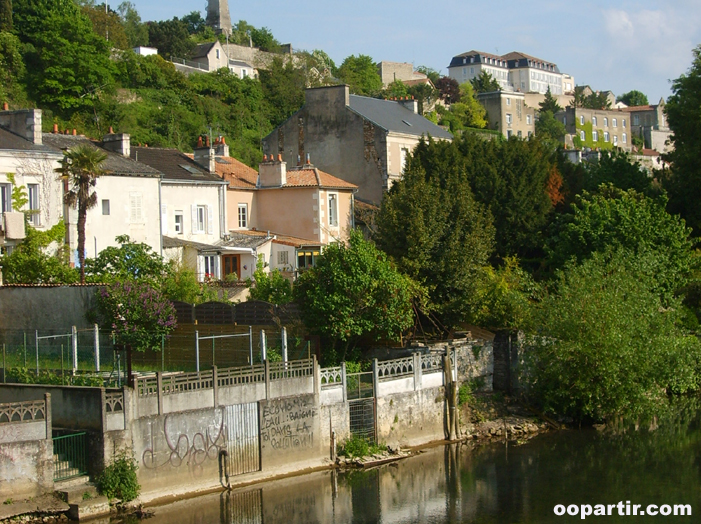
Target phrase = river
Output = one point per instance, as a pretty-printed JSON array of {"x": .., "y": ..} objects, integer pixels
[{"x": 496, "y": 483}]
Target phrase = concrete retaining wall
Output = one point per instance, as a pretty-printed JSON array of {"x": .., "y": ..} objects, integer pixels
[
  {"x": 412, "y": 418},
  {"x": 26, "y": 469}
]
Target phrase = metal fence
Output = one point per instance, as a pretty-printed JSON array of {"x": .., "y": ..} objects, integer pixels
[
  {"x": 70, "y": 456},
  {"x": 359, "y": 385}
]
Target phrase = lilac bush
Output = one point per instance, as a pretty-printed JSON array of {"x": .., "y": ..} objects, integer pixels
[{"x": 138, "y": 314}]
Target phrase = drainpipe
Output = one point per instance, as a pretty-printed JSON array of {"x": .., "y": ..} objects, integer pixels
[{"x": 160, "y": 217}]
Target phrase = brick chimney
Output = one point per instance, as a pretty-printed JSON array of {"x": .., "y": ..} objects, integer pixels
[
  {"x": 119, "y": 143},
  {"x": 23, "y": 122},
  {"x": 205, "y": 155},
  {"x": 272, "y": 172}
]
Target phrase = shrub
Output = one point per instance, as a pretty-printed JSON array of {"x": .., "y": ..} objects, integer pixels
[{"x": 118, "y": 480}]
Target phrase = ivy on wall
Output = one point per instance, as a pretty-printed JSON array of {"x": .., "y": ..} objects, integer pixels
[{"x": 588, "y": 129}]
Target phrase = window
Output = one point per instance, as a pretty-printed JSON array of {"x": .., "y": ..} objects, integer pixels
[
  {"x": 105, "y": 207},
  {"x": 519, "y": 134},
  {"x": 244, "y": 73},
  {"x": 5, "y": 198},
  {"x": 201, "y": 219},
  {"x": 615, "y": 122},
  {"x": 33, "y": 197},
  {"x": 136, "y": 214},
  {"x": 636, "y": 120},
  {"x": 581, "y": 120},
  {"x": 508, "y": 101},
  {"x": 528, "y": 119},
  {"x": 210, "y": 266},
  {"x": 509, "y": 118},
  {"x": 615, "y": 140},
  {"x": 595, "y": 136},
  {"x": 333, "y": 210},
  {"x": 403, "y": 153},
  {"x": 306, "y": 258},
  {"x": 606, "y": 122},
  {"x": 243, "y": 215},
  {"x": 283, "y": 258},
  {"x": 179, "y": 222},
  {"x": 582, "y": 135},
  {"x": 472, "y": 70},
  {"x": 624, "y": 123},
  {"x": 509, "y": 133},
  {"x": 593, "y": 121},
  {"x": 606, "y": 136},
  {"x": 564, "y": 120},
  {"x": 217, "y": 54},
  {"x": 624, "y": 138}
]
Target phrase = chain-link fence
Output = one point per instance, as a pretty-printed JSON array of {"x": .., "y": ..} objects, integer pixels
[{"x": 88, "y": 351}]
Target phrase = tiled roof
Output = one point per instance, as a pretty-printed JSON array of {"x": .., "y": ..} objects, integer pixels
[
  {"x": 280, "y": 239},
  {"x": 173, "y": 164},
  {"x": 245, "y": 240},
  {"x": 641, "y": 108},
  {"x": 238, "y": 174},
  {"x": 202, "y": 50},
  {"x": 9, "y": 140},
  {"x": 313, "y": 177},
  {"x": 393, "y": 116},
  {"x": 115, "y": 164}
]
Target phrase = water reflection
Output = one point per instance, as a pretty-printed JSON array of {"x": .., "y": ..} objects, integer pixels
[{"x": 493, "y": 484}]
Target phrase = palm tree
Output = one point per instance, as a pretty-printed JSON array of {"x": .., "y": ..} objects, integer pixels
[{"x": 80, "y": 167}]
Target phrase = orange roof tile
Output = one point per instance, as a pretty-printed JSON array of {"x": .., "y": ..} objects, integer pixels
[
  {"x": 313, "y": 177},
  {"x": 238, "y": 174}
]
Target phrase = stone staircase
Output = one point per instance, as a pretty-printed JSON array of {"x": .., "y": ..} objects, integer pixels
[
  {"x": 82, "y": 498},
  {"x": 65, "y": 469}
]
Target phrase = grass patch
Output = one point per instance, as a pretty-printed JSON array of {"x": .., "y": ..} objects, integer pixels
[{"x": 358, "y": 447}]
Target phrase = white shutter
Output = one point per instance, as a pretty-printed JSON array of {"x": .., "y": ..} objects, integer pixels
[
  {"x": 210, "y": 220},
  {"x": 193, "y": 209},
  {"x": 199, "y": 268},
  {"x": 164, "y": 219}
]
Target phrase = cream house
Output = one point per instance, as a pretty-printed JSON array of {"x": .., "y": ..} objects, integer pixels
[{"x": 29, "y": 163}]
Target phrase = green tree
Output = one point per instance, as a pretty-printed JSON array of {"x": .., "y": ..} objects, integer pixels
[
  {"x": 171, "y": 38},
  {"x": 270, "y": 286},
  {"x": 395, "y": 89},
  {"x": 466, "y": 113},
  {"x": 107, "y": 24},
  {"x": 129, "y": 261},
  {"x": 12, "y": 70},
  {"x": 549, "y": 103},
  {"x": 618, "y": 169},
  {"x": 425, "y": 95},
  {"x": 610, "y": 347},
  {"x": 548, "y": 127},
  {"x": 6, "y": 15},
  {"x": 353, "y": 291},
  {"x": 319, "y": 68},
  {"x": 436, "y": 231},
  {"x": 39, "y": 259},
  {"x": 614, "y": 218},
  {"x": 360, "y": 73},
  {"x": 683, "y": 182},
  {"x": 181, "y": 284},
  {"x": 432, "y": 74},
  {"x": 134, "y": 29},
  {"x": 81, "y": 167},
  {"x": 485, "y": 83},
  {"x": 67, "y": 63},
  {"x": 283, "y": 88},
  {"x": 633, "y": 98}
]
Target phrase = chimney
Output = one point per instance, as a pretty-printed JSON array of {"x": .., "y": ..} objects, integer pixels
[
  {"x": 117, "y": 143},
  {"x": 55, "y": 131},
  {"x": 272, "y": 173},
  {"x": 23, "y": 122},
  {"x": 205, "y": 156},
  {"x": 409, "y": 102},
  {"x": 221, "y": 148}
]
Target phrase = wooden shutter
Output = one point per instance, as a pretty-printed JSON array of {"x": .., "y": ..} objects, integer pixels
[
  {"x": 210, "y": 220},
  {"x": 193, "y": 209}
]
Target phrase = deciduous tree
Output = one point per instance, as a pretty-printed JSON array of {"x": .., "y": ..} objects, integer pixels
[
  {"x": 360, "y": 73},
  {"x": 634, "y": 98}
]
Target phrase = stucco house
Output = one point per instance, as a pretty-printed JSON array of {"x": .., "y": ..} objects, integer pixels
[
  {"x": 26, "y": 160},
  {"x": 650, "y": 123},
  {"x": 364, "y": 141},
  {"x": 508, "y": 113},
  {"x": 596, "y": 128}
]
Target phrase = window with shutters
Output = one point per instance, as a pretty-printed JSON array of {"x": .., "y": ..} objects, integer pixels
[
  {"x": 5, "y": 198},
  {"x": 201, "y": 219},
  {"x": 333, "y": 210},
  {"x": 136, "y": 213},
  {"x": 33, "y": 197},
  {"x": 283, "y": 258}
]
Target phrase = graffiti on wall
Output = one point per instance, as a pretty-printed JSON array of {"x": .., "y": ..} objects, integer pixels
[
  {"x": 288, "y": 423},
  {"x": 182, "y": 441}
]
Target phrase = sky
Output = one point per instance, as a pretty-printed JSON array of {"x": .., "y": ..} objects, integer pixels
[{"x": 617, "y": 46}]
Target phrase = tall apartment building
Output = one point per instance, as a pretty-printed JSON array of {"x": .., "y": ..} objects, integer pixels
[{"x": 514, "y": 71}]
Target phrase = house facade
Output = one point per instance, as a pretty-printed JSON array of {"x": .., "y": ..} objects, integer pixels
[
  {"x": 514, "y": 71},
  {"x": 508, "y": 113},
  {"x": 361, "y": 140},
  {"x": 25, "y": 161},
  {"x": 650, "y": 123},
  {"x": 596, "y": 128}
]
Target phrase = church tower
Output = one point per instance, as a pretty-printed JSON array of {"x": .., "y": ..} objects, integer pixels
[{"x": 218, "y": 16}]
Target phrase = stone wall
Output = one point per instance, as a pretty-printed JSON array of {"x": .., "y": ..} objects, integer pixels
[{"x": 412, "y": 418}]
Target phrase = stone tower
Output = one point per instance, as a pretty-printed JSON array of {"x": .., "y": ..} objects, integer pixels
[{"x": 218, "y": 16}]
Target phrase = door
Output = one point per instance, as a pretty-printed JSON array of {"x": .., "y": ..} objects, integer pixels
[
  {"x": 231, "y": 264},
  {"x": 242, "y": 442}
]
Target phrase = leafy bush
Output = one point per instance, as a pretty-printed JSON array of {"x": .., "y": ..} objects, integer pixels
[
  {"x": 118, "y": 480},
  {"x": 358, "y": 447},
  {"x": 465, "y": 394}
]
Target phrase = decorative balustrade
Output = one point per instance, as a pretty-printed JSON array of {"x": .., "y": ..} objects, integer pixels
[
  {"x": 432, "y": 363},
  {"x": 114, "y": 402},
  {"x": 290, "y": 369},
  {"x": 147, "y": 386},
  {"x": 391, "y": 369},
  {"x": 331, "y": 377},
  {"x": 17, "y": 412},
  {"x": 187, "y": 382},
  {"x": 236, "y": 376}
]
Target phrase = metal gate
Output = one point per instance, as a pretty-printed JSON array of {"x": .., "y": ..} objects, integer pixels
[
  {"x": 362, "y": 418},
  {"x": 242, "y": 507},
  {"x": 242, "y": 441}
]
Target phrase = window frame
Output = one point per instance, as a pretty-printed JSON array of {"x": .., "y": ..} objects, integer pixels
[
  {"x": 243, "y": 219},
  {"x": 201, "y": 219},
  {"x": 33, "y": 204},
  {"x": 179, "y": 224},
  {"x": 105, "y": 205},
  {"x": 5, "y": 197},
  {"x": 332, "y": 202}
]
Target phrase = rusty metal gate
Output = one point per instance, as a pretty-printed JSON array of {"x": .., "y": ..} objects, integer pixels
[
  {"x": 242, "y": 441},
  {"x": 362, "y": 418}
]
